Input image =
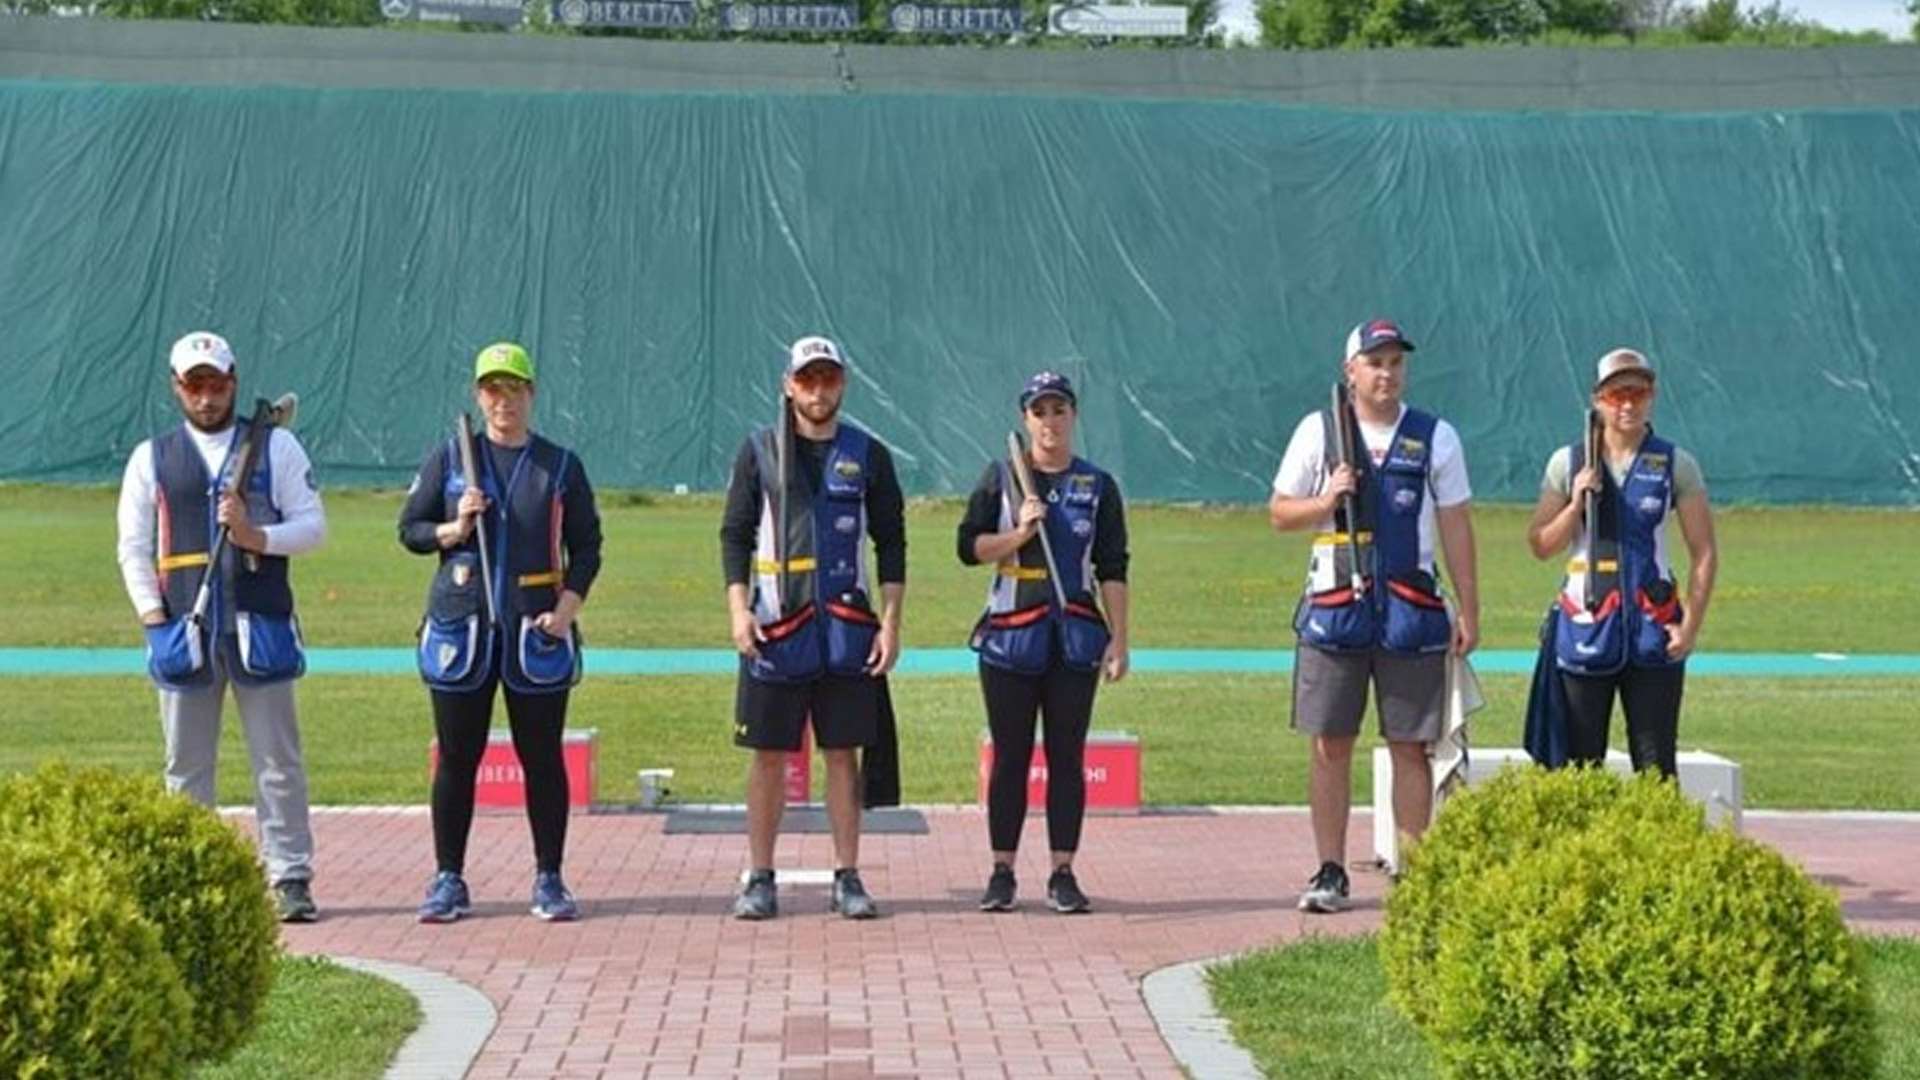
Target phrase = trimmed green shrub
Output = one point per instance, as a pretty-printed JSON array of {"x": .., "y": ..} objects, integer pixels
[
  {"x": 184, "y": 869},
  {"x": 1614, "y": 935},
  {"x": 86, "y": 989}
]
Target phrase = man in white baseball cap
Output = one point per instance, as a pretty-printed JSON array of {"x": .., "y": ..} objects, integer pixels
[{"x": 168, "y": 525}]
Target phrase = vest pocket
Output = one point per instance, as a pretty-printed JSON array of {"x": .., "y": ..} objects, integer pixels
[
  {"x": 851, "y": 628},
  {"x": 176, "y": 653},
  {"x": 1416, "y": 617},
  {"x": 545, "y": 660},
  {"x": 790, "y": 649},
  {"x": 1083, "y": 635},
  {"x": 1339, "y": 620},
  {"x": 1591, "y": 644},
  {"x": 1018, "y": 641},
  {"x": 455, "y": 646},
  {"x": 1659, "y": 608},
  {"x": 270, "y": 646}
]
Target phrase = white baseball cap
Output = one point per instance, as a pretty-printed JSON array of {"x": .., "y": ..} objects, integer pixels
[
  {"x": 201, "y": 349},
  {"x": 1621, "y": 362},
  {"x": 811, "y": 350}
]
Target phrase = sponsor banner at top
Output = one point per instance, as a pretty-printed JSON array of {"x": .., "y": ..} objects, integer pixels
[
  {"x": 955, "y": 19},
  {"x": 505, "y": 12},
  {"x": 642, "y": 14},
  {"x": 1117, "y": 20},
  {"x": 789, "y": 18}
]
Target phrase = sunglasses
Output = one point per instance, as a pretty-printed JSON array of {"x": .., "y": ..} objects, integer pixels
[
  {"x": 815, "y": 376},
  {"x": 506, "y": 385},
  {"x": 1626, "y": 395},
  {"x": 209, "y": 383}
]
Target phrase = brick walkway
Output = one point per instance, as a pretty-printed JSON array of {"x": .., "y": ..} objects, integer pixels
[{"x": 657, "y": 981}]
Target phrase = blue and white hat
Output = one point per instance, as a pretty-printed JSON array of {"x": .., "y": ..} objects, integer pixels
[
  {"x": 1374, "y": 333},
  {"x": 1047, "y": 384}
]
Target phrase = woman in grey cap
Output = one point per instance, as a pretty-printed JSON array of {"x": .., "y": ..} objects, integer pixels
[
  {"x": 1618, "y": 624},
  {"x": 1053, "y": 525}
]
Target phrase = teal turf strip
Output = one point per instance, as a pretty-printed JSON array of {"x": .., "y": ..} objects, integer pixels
[{"x": 29, "y": 663}]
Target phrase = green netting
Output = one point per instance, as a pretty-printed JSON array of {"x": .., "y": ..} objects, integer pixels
[{"x": 1193, "y": 264}]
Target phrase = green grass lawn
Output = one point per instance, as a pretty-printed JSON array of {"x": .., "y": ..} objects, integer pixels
[
  {"x": 1317, "y": 1010},
  {"x": 323, "y": 1022},
  {"x": 1793, "y": 580},
  {"x": 1839, "y": 743}
]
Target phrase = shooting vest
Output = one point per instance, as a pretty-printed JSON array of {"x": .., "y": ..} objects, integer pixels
[
  {"x": 823, "y": 621},
  {"x": 1625, "y": 563},
  {"x": 525, "y": 522},
  {"x": 1398, "y": 607},
  {"x": 1024, "y": 629},
  {"x": 249, "y": 613}
]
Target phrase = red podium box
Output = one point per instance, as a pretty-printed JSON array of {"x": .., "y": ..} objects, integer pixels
[
  {"x": 502, "y": 783},
  {"x": 1112, "y": 769}
]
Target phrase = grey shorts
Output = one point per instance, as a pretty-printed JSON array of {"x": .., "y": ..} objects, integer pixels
[{"x": 1330, "y": 692}]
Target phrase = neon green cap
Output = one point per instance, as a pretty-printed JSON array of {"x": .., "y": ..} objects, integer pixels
[{"x": 503, "y": 358}]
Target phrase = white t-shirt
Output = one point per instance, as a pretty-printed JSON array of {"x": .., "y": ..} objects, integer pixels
[
  {"x": 303, "y": 524},
  {"x": 1303, "y": 470}
]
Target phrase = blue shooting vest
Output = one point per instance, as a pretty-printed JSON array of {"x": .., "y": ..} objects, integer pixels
[
  {"x": 1635, "y": 598},
  {"x": 525, "y": 521},
  {"x": 824, "y": 622},
  {"x": 1398, "y": 608},
  {"x": 1024, "y": 629},
  {"x": 249, "y": 615}
]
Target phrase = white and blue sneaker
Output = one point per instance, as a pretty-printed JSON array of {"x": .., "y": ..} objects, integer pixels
[
  {"x": 551, "y": 900},
  {"x": 447, "y": 899}
]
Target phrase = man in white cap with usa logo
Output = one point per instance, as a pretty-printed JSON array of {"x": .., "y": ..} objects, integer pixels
[{"x": 1381, "y": 486}]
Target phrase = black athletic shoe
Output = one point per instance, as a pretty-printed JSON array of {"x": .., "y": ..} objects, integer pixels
[
  {"x": 850, "y": 897},
  {"x": 1064, "y": 894},
  {"x": 760, "y": 899},
  {"x": 293, "y": 901},
  {"x": 1000, "y": 889},
  {"x": 1327, "y": 891}
]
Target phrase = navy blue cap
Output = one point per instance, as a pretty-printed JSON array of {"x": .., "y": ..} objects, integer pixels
[
  {"x": 1374, "y": 333},
  {"x": 1045, "y": 383}
]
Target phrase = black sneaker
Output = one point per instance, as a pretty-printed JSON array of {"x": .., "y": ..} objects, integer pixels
[
  {"x": 1326, "y": 891},
  {"x": 1064, "y": 894},
  {"x": 293, "y": 901},
  {"x": 850, "y": 897},
  {"x": 1000, "y": 889},
  {"x": 760, "y": 899}
]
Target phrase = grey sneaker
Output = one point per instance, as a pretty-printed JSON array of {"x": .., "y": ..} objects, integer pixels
[
  {"x": 760, "y": 899},
  {"x": 1064, "y": 894},
  {"x": 850, "y": 897},
  {"x": 293, "y": 901},
  {"x": 1000, "y": 889},
  {"x": 1327, "y": 891}
]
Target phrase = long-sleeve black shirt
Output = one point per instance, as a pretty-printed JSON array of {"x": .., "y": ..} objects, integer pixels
[
  {"x": 1109, "y": 522},
  {"x": 425, "y": 510},
  {"x": 886, "y": 508}
]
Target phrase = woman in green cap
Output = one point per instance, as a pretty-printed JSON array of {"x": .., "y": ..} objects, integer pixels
[{"x": 513, "y": 520}]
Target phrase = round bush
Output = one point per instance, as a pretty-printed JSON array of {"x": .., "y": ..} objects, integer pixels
[
  {"x": 86, "y": 989},
  {"x": 1642, "y": 945},
  {"x": 184, "y": 870}
]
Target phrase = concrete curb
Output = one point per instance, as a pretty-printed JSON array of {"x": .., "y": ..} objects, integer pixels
[
  {"x": 1183, "y": 1010},
  {"x": 455, "y": 1021}
]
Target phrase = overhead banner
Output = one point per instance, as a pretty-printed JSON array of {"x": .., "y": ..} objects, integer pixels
[
  {"x": 641, "y": 14},
  {"x": 789, "y": 18},
  {"x": 955, "y": 19},
  {"x": 1118, "y": 20},
  {"x": 503, "y": 12}
]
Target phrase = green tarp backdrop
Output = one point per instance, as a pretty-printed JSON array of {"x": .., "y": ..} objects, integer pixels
[{"x": 1192, "y": 262}]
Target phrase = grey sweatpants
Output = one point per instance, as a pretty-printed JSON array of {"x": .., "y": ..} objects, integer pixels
[{"x": 190, "y": 721}]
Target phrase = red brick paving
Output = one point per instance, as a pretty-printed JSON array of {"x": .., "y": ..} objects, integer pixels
[{"x": 657, "y": 980}]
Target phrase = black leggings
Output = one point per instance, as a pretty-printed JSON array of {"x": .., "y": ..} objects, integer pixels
[
  {"x": 1065, "y": 700},
  {"x": 1651, "y": 699},
  {"x": 538, "y": 722}
]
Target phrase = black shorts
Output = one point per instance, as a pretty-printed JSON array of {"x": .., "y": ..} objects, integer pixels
[{"x": 770, "y": 716}]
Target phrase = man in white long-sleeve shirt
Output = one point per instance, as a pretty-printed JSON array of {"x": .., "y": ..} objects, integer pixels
[{"x": 178, "y": 492}]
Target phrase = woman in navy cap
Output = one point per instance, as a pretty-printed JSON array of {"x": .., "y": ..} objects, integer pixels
[
  {"x": 1045, "y": 639},
  {"x": 1618, "y": 624}
]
